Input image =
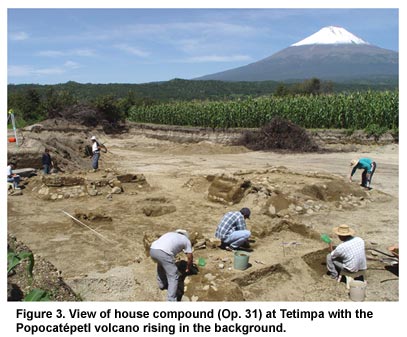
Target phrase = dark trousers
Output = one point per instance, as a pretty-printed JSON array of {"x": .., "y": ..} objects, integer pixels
[{"x": 367, "y": 177}]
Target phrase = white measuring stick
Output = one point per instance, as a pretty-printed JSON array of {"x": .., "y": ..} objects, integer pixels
[{"x": 104, "y": 238}]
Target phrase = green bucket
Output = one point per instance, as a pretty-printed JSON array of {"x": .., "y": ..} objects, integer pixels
[{"x": 241, "y": 260}]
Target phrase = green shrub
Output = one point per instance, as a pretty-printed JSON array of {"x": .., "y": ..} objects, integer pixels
[{"x": 14, "y": 259}]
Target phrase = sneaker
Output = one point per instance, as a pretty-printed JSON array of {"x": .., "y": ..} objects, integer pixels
[
  {"x": 245, "y": 245},
  {"x": 329, "y": 277},
  {"x": 245, "y": 249}
]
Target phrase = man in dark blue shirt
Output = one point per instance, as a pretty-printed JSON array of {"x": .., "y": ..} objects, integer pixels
[{"x": 47, "y": 162}]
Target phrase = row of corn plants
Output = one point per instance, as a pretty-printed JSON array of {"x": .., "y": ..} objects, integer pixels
[{"x": 356, "y": 110}]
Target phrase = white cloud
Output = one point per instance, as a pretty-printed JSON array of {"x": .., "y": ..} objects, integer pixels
[
  {"x": 72, "y": 65},
  {"x": 25, "y": 70},
  {"x": 217, "y": 58},
  {"x": 19, "y": 71},
  {"x": 132, "y": 50},
  {"x": 50, "y": 53},
  {"x": 49, "y": 71},
  {"x": 72, "y": 52},
  {"x": 18, "y": 36}
]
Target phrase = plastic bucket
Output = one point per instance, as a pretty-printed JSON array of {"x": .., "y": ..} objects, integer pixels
[
  {"x": 12, "y": 140},
  {"x": 241, "y": 260},
  {"x": 357, "y": 291},
  {"x": 201, "y": 262}
]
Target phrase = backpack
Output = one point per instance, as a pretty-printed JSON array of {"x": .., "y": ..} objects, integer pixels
[{"x": 88, "y": 151}]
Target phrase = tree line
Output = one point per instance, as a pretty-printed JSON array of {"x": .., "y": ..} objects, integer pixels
[{"x": 33, "y": 102}]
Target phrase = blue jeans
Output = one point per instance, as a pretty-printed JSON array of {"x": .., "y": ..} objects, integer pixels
[
  {"x": 367, "y": 177},
  {"x": 334, "y": 266},
  {"x": 167, "y": 273},
  {"x": 95, "y": 160},
  {"x": 237, "y": 238},
  {"x": 15, "y": 180},
  {"x": 47, "y": 169}
]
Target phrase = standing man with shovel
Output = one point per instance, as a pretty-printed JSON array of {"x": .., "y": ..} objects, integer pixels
[{"x": 96, "y": 148}]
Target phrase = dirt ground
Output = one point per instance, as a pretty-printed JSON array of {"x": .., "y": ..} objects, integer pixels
[{"x": 293, "y": 197}]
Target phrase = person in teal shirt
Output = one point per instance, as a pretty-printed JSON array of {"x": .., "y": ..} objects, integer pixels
[{"x": 368, "y": 166}]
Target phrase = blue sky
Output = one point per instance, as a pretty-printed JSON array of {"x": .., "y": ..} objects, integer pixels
[{"x": 49, "y": 46}]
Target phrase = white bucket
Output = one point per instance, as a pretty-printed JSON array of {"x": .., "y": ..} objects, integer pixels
[{"x": 357, "y": 291}]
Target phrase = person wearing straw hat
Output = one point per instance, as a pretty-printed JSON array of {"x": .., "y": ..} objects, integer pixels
[
  {"x": 163, "y": 252},
  {"x": 349, "y": 254},
  {"x": 232, "y": 230},
  {"x": 368, "y": 166}
]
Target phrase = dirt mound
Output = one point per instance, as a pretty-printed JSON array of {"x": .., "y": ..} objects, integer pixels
[
  {"x": 78, "y": 113},
  {"x": 88, "y": 116},
  {"x": 279, "y": 134},
  {"x": 332, "y": 191}
]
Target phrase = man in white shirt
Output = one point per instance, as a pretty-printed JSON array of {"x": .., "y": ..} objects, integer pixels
[
  {"x": 95, "y": 153},
  {"x": 163, "y": 252},
  {"x": 349, "y": 255},
  {"x": 12, "y": 177}
]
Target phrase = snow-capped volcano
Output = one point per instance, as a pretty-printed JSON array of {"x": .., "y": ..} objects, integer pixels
[
  {"x": 332, "y": 54},
  {"x": 331, "y": 35}
]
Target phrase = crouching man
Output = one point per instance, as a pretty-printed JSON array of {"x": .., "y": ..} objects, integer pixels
[
  {"x": 349, "y": 254},
  {"x": 232, "y": 230}
]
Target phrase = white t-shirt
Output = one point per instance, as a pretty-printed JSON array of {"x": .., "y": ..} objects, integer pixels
[
  {"x": 95, "y": 147},
  {"x": 172, "y": 243},
  {"x": 9, "y": 171},
  {"x": 352, "y": 254}
]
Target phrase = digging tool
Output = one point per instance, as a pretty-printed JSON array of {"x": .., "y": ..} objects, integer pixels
[
  {"x": 104, "y": 238},
  {"x": 379, "y": 251},
  {"x": 386, "y": 260}
]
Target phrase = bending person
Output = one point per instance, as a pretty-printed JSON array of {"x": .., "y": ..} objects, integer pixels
[
  {"x": 368, "y": 166},
  {"x": 163, "y": 252}
]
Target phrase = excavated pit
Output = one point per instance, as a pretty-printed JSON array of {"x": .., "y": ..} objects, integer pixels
[{"x": 164, "y": 186}]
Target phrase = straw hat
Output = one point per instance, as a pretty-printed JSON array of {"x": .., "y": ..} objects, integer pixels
[
  {"x": 354, "y": 162},
  {"x": 343, "y": 230},
  {"x": 183, "y": 232}
]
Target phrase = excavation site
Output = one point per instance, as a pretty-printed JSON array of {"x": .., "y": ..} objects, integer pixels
[{"x": 95, "y": 228}]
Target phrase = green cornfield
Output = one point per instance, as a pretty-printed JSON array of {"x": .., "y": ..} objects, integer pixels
[{"x": 356, "y": 110}]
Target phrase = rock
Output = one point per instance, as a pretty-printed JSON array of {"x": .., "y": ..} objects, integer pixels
[
  {"x": 213, "y": 242},
  {"x": 115, "y": 183},
  {"x": 210, "y": 277},
  {"x": 228, "y": 190},
  {"x": 116, "y": 190},
  {"x": 16, "y": 192},
  {"x": 201, "y": 244},
  {"x": 133, "y": 178},
  {"x": 92, "y": 192},
  {"x": 53, "y": 180},
  {"x": 158, "y": 210},
  {"x": 221, "y": 266}
]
